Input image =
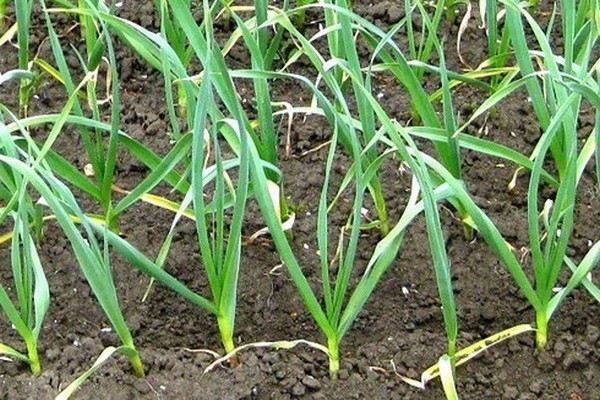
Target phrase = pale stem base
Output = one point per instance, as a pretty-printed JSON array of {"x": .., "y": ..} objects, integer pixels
[
  {"x": 541, "y": 335},
  {"x": 34, "y": 359},
  {"x": 334, "y": 359},
  {"x": 226, "y": 332},
  {"x": 138, "y": 367}
]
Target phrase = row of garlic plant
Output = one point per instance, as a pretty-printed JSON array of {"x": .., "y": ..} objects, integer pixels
[{"x": 566, "y": 81}]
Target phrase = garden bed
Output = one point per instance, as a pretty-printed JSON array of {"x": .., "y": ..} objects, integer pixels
[{"x": 402, "y": 322}]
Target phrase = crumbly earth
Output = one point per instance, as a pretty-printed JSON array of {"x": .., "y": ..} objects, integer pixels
[{"x": 401, "y": 323}]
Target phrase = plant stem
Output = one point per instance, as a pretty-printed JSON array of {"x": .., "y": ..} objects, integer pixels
[
  {"x": 468, "y": 231},
  {"x": 226, "y": 330},
  {"x": 23, "y": 12},
  {"x": 384, "y": 225},
  {"x": 451, "y": 6},
  {"x": 138, "y": 367},
  {"x": 452, "y": 350},
  {"x": 113, "y": 219},
  {"x": 334, "y": 358},
  {"x": 34, "y": 358},
  {"x": 226, "y": 334},
  {"x": 284, "y": 210},
  {"x": 181, "y": 100},
  {"x": 2, "y": 15},
  {"x": 533, "y": 5},
  {"x": 541, "y": 335}
]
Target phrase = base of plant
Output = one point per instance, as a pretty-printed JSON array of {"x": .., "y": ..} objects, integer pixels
[
  {"x": 384, "y": 227},
  {"x": 451, "y": 13},
  {"x": 228, "y": 345},
  {"x": 541, "y": 333},
  {"x": 469, "y": 232},
  {"x": 138, "y": 367},
  {"x": 234, "y": 361},
  {"x": 384, "y": 223},
  {"x": 468, "y": 226},
  {"x": 334, "y": 368},
  {"x": 34, "y": 359},
  {"x": 334, "y": 359},
  {"x": 36, "y": 368},
  {"x": 227, "y": 340}
]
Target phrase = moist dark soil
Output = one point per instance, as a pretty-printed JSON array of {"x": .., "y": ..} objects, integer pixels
[{"x": 402, "y": 323}]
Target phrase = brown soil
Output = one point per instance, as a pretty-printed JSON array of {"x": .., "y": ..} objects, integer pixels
[{"x": 405, "y": 328}]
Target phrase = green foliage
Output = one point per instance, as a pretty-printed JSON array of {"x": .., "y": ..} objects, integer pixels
[{"x": 223, "y": 153}]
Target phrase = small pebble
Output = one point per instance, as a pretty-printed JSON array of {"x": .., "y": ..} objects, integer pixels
[
  {"x": 510, "y": 392},
  {"x": 536, "y": 387},
  {"x": 280, "y": 374},
  {"x": 589, "y": 374},
  {"x": 593, "y": 334},
  {"x": 311, "y": 383},
  {"x": 545, "y": 360},
  {"x": 298, "y": 390},
  {"x": 395, "y": 14},
  {"x": 343, "y": 374},
  {"x": 573, "y": 360}
]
